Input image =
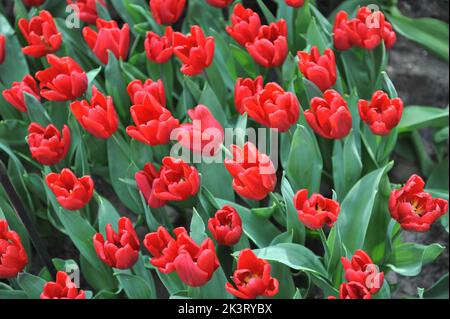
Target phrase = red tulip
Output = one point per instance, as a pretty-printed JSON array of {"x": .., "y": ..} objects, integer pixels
[
  {"x": 64, "y": 80},
  {"x": 219, "y": 3},
  {"x": 175, "y": 181},
  {"x": 194, "y": 50},
  {"x": 154, "y": 123},
  {"x": 246, "y": 89},
  {"x": 377, "y": 24},
  {"x": 163, "y": 248},
  {"x": 167, "y": 12},
  {"x": 121, "y": 248},
  {"x": 252, "y": 277},
  {"x": 381, "y": 114},
  {"x": 159, "y": 49},
  {"x": 41, "y": 35},
  {"x": 329, "y": 116},
  {"x": 317, "y": 211},
  {"x": 204, "y": 136},
  {"x": 97, "y": 116},
  {"x": 47, "y": 146},
  {"x": 270, "y": 48},
  {"x": 72, "y": 193},
  {"x": 245, "y": 25},
  {"x": 138, "y": 91},
  {"x": 15, "y": 95},
  {"x": 295, "y": 3},
  {"x": 273, "y": 107},
  {"x": 63, "y": 288},
  {"x": 353, "y": 290},
  {"x": 2, "y": 48},
  {"x": 319, "y": 69},
  {"x": 13, "y": 257},
  {"x": 226, "y": 226},
  {"x": 87, "y": 9},
  {"x": 361, "y": 269},
  {"x": 413, "y": 208},
  {"x": 108, "y": 38},
  {"x": 34, "y": 3},
  {"x": 254, "y": 175}
]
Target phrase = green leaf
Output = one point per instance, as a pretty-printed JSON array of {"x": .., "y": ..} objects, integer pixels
[
  {"x": 134, "y": 286},
  {"x": 31, "y": 285},
  {"x": 294, "y": 225},
  {"x": 197, "y": 229},
  {"x": 316, "y": 37},
  {"x": 116, "y": 87},
  {"x": 36, "y": 111},
  {"x": 267, "y": 13},
  {"x": 213, "y": 172},
  {"x": 439, "y": 290},
  {"x": 417, "y": 117},
  {"x": 107, "y": 214}
]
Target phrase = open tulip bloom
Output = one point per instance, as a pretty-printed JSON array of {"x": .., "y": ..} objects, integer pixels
[{"x": 217, "y": 149}]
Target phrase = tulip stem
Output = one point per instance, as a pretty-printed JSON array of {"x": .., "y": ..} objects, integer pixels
[
  {"x": 276, "y": 201},
  {"x": 323, "y": 239},
  {"x": 227, "y": 151}
]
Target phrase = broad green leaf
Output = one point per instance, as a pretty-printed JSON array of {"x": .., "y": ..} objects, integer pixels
[
  {"x": 134, "y": 286},
  {"x": 116, "y": 87},
  {"x": 439, "y": 290},
  {"x": 31, "y": 285},
  {"x": 417, "y": 117},
  {"x": 294, "y": 225}
]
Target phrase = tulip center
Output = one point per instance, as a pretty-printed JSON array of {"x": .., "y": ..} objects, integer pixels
[{"x": 417, "y": 208}]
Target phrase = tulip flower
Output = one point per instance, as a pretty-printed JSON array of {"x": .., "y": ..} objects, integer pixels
[
  {"x": 381, "y": 114},
  {"x": 252, "y": 277},
  {"x": 219, "y": 3},
  {"x": 273, "y": 107},
  {"x": 97, "y": 116},
  {"x": 2, "y": 48},
  {"x": 108, "y": 38},
  {"x": 63, "y": 288},
  {"x": 254, "y": 175},
  {"x": 204, "y": 136},
  {"x": 138, "y": 90},
  {"x": 159, "y": 49},
  {"x": 295, "y": 3},
  {"x": 353, "y": 290},
  {"x": 270, "y": 48},
  {"x": 246, "y": 89},
  {"x": 72, "y": 193},
  {"x": 41, "y": 35},
  {"x": 317, "y": 211},
  {"x": 330, "y": 116},
  {"x": 87, "y": 9},
  {"x": 194, "y": 50},
  {"x": 175, "y": 181},
  {"x": 226, "y": 226},
  {"x": 120, "y": 249},
  {"x": 163, "y": 248},
  {"x": 245, "y": 25},
  {"x": 319, "y": 69},
  {"x": 167, "y": 12},
  {"x": 47, "y": 146},
  {"x": 33, "y": 3},
  {"x": 15, "y": 95},
  {"x": 362, "y": 269},
  {"x": 413, "y": 208},
  {"x": 64, "y": 80},
  {"x": 154, "y": 123},
  {"x": 13, "y": 257}
]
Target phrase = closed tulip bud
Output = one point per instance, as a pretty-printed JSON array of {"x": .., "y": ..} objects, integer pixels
[
  {"x": 270, "y": 48},
  {"x": 330, "y": 116},
  {"x": 33, "y": 3},
  {"x": 381, "y": 114},
  {"x": 317, "y": 211},
  {"x": 167, "y": 12},
  {"x": 245, "y": 25},
  {"x": 97, "y": 116},
  {"x": 41, "y": 34},
  {"x": 15, "y": 95},
  {"x": 362, "y": 269},
  {"x": 195, "y": 51},
  {"x": 154, "y": 123},
  {"x": 252, "y": 277},
  {"x": 47, "y": 145},
  {"x": 64, "y": 80},
  {"x": 2, "y": 48},
  {"x": 204, "y": 136},
  {"x": 86, "y": 9},
  {"x": 72, "y": 193},
  {"x": 163, "y": 248},
  {"x": 108, "y": 38},
  {"x": 246, "y": 89},
  {"x": 63, "y": 288},
  {"x": 273, "y": 107},
  {"x": 254, "y": 175},
  {"x": 413, "y": 208},
  {"x": 295, "y": 3},
  {"x": 13, "y": 257},
  {"x": 226, "y": 226},
  {"x": 138, "y": 91},
  {"x": 319, "y": 69},
  {"x": 219, "y": 3},
  {"x": 159, "y": 49},
  {"x": 120, "y": 249}
]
